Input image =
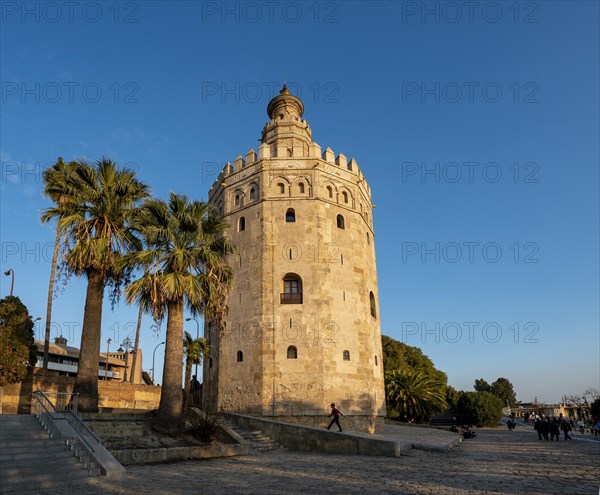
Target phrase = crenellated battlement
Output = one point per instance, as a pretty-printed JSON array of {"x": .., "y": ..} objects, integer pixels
[{"x": 267, "y": 157}]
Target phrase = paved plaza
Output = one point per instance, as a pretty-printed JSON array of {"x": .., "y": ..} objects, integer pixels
[{"x": 497, "y": 461}]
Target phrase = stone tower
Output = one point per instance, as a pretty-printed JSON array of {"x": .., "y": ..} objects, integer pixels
[{"x": 302, "y": 328}]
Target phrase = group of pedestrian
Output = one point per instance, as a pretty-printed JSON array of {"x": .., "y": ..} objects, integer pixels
[{"x": 552, "y": 426}]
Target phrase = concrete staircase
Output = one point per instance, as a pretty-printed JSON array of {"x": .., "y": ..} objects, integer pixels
[
  {"x": 259, "y": 442},
  {"x": 29, "y": 459}
]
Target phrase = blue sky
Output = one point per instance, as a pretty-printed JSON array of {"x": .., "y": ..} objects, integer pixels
[{"x": 476, "y": 129}]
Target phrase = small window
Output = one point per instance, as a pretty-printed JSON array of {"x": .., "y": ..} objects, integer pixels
[
  {"x": 346, "y": 355},
  {"x": 368, "y": 239},
  {"x": 376, "y": 362},
  {"x": 292, "y": 289},
  {"x": 252, "y": 194},
  {"x": 290, "y": 215},
  {"x": 292, "y": 352},
  {"x": 210, "y": 362},
  {"x": 239, "y": 356},
  {"x": 341, "y": 224},
  {"x": 301, "y": 187},
  {"x": 241, "y": 224},
  {"x": 281, "y": 188},
  {"x": 330, "y": 191},
  {"x": 237, "y": 200},
  {"x": 345, "y": 197},
  {"x": 372, "y": 302}
]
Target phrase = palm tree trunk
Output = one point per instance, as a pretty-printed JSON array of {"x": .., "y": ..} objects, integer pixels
[
  {"x": 135, "y": 346},
  {"x": 86, "y": 382},
  {"x": 50, "y": 295},
  {"x": 169, "y": 418},
  {"x": 188, "y": 381}
]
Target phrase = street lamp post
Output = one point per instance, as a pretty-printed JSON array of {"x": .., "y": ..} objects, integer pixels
[
  {"x": 153, "y": 354},
  {"x": 107, "y": 351},
  {"x": 8, "y": 272},
  {"x": 197, "y": 336}
]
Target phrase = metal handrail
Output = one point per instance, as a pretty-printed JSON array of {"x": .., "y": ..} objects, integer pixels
[{"x": 80, "y": 437}]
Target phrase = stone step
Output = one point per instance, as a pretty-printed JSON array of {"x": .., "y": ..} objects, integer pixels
[
  {"x": 45, "y": 477},
  {"x": 21, "y": 452}
]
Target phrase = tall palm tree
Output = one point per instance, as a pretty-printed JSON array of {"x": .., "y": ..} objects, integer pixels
[
  {"x": 415, "y": 394},
  {"x": 194, "y": 350},
  {"x": 99, "y": 230},
  {"x": 58, "y": 189},
  {"x": 184, "y": 264}
]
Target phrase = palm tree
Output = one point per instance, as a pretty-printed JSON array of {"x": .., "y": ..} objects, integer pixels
[
  {"x": 98, "y": 230},
  {"x": 184, "y": 265},
  {"x": 415, "y": 394},
  {"x": 57, "y": 188},
  {"x": 194, "y": 350}
]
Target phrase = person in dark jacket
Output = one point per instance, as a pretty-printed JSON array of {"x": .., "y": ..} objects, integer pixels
[
  {"x": 545, "y": 428},
  {"x": 554, "y": 429},
  {"x": 538, "y": 427},
  {"x": 566, "y": 428}
]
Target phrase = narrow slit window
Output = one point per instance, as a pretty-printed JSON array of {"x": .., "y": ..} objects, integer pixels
[
  {"x": 372, "y": 304},
  {"x": 346, "y": 355},
  {"x": 242, "y": 224},
  {"x": 239, "y": 356},
  {"x": 341, "y": 223}
]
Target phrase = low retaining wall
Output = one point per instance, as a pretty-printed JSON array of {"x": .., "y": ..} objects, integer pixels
[
  {"x": 310, "y": 439},
  {"x": 16, "y": 398},
  {"x": 145, "y": 456}
]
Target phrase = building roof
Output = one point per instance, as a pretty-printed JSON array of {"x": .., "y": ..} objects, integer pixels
[{"x": 67, "y": 350}]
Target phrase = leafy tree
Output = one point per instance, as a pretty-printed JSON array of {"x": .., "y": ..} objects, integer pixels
[
  {"x": 503, "y": 389},
  {"x": 482, "y": 386},
  {"x": 18, "y": 351},
  {"x": 478, "y": 408},
  {"x": 98, "y": 227},
  {"x": 415, "y": 394},
  {"x": 184, "y": 264},
  {"x": 398, "y": 355},
  {"x": 194, "y": 350}
]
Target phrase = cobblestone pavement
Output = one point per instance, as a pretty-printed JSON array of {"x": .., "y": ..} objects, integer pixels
[{"x": 497, "y": 461}]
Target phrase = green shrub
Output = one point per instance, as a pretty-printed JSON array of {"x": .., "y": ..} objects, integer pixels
[{"x": 478, "y": 408}]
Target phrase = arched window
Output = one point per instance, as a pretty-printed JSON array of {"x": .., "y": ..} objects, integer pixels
[
  {"x": 346, "y": 355},
  {"x": 241, "y": 224},
  {"x": 290, "y": 215},
  {"x": 341, "y": 224},
  {"x": 239, "y": 357},
  {"x": 372, "y": 303},
  {"x": 292, "y": 352},
  {"x": 345, "y": 197},
  {"x": 301, "y": 187},
  {"x": 220, "y": 207},
  {"x": 330, "y": 191},
  {"x": 281, "y": 188},
  {"x": 237, "y": 200},
  {"x": 292, "y": 289},
  {"x": 252, "y": 194}
]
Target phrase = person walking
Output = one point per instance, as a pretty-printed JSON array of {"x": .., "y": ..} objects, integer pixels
[
  {"x": 538, "y": 427},
  {"x": 336, "y": 413},
  {"x": 566, "y": 428},
  {"x": 554, "y": 430}
]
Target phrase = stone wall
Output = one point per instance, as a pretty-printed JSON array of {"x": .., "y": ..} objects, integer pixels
[{"x": 16, "y": 398}]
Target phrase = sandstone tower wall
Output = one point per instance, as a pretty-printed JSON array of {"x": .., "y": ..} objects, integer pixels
[{"x": 303, "y": 316}]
